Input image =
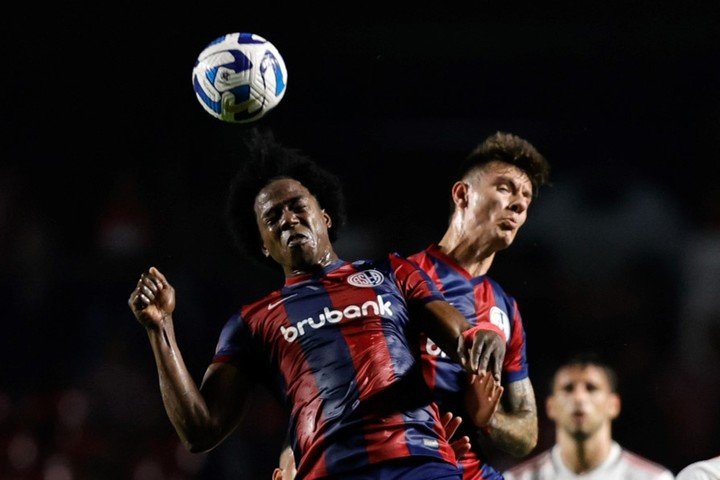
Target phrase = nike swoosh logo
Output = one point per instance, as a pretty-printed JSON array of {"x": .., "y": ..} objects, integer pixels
[{"x": 275, "y": 304}]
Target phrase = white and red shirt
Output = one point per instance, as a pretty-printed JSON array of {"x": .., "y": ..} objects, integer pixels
[
  {"x": 704, "y": 470},
  {"x": 620, "y": 464}
]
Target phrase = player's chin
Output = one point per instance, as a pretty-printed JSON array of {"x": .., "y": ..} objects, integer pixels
[
  {"x": 303, "y": 255},
  {"x": 505, "y": 238},
  {"x": 580, "y": 433}
]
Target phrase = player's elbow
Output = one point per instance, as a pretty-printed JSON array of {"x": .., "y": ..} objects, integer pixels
[
  {"x": 200, "y": 440},
  {"x": 199, "y": 445}
]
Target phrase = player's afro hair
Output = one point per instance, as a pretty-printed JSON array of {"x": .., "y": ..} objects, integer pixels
[{"x": 266, "y": 160}]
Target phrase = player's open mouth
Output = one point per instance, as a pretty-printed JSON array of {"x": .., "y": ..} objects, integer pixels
[{"x": 296, "y": 239}]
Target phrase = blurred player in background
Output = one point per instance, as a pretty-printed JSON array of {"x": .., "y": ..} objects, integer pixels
[
  {"x": 703, "y": 470},
  {"x": 490, "y": 199},
  {"x": 583, "y": 404},
  {"x": 337, "y": 341}
]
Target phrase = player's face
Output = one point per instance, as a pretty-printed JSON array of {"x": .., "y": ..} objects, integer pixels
[
  {"x": 293, "y": 227},
  {"x": 498, "y": 197},
  {"x": 582, "y": 403}
]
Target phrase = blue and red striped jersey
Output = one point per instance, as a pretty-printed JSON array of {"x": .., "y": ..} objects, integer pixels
[
  {"x": 341, "y": 347},
  {"x": 480, "y": 299}
]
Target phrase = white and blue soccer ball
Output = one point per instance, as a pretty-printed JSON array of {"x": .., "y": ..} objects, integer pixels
[{"x": 239, "y": 77}]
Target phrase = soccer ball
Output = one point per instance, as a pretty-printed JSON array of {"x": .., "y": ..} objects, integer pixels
[{"x": 239, "y": 77}]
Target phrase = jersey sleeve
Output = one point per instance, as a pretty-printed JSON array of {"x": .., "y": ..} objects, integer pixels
[
  {"x": 413, "y": 282},
  {"x": 237, "y": 347},
  {"x": 515, "y": 366},
  {"x": 234, "y": 344}
]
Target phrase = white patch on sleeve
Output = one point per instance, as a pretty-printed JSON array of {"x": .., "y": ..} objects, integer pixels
[{"x": 500, "y": 320}]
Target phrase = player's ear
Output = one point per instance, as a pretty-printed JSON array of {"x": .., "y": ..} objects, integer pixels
[
  {"x": 460, "y": 194},
  {"x": 614, "y": 406},
  {"x": 550, "y": 407},
  {"x": 327, "y": 218},
  {"x": 277, "y": 474},
  {"x": 264, "y": 250}
]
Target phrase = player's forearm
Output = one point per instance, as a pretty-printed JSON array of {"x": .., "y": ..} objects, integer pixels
[
  {"x": 181, "y": 397},
  {"x": 515, "y": 433},
  {"x": 514, "y": 428}
]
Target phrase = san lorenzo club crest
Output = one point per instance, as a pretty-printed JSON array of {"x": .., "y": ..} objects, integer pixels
[{"x": 367, "y": 278}]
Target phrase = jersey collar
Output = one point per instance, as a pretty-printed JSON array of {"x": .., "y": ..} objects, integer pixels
[{"x": 331, "y": 267}]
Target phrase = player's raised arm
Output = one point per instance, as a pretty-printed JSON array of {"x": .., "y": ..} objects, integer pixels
[{"x": 201, "y": 420}]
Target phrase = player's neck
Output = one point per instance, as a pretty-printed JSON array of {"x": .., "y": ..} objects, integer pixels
[
  {"x": 314, "y": 267},
  {"x": 582, "y": 456},
  {"x": 476, "y": 261}
]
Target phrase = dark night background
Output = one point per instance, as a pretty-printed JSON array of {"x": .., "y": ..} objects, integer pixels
[{"x": 110, "y": 165}]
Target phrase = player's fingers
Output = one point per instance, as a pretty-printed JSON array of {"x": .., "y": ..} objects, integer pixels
[
  {"x": 133, "y": 301},
  {"x": 475, "y": 353},
  {"x": 479, "y": 382},
  {"x": 484, "y": 359},
  {"x": 149, "y": 282},
  {"x": 156, "y": 281},
  {"x": 497, "y": 369},
  {"x": 445, "y": 418},
  {"x": 148, "y": 292},
  {"x": 488, "y": 384},
  {"x": 495, "y": 399},
  {"x": 452, "y": 425},
  {"x": 462, "y": 352},
  {"x": 138, "y": 301},
  {"x": 159, "y": 276},
  {"x": 146, "y": 280},
  {"x": 461, "y": 446},
  {"x": 494, "y": 391},
  {"x": 492, "y": 365}
]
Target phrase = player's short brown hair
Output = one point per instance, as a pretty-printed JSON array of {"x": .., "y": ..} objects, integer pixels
[{"x": 511, "y": 149}]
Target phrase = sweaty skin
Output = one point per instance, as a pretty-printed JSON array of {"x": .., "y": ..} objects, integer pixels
[
  {"x": 294, "y": 231},
  {"x": 491, "y": 205}
]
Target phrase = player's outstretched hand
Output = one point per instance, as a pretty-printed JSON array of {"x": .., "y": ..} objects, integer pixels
[
  {"x": 459, "y": 445},
  {"x": 153, "y": 299},
  {"x": 482, "y": 398},
  {"x": 482, "y": 351}
]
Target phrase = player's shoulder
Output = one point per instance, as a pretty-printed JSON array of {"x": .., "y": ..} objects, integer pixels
[
  {"x": 530, "y": 467},
  {"x": 701, "y": 470},
  {"x": 649, "y": 469},
  {"x": 694, "y": 471}
]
